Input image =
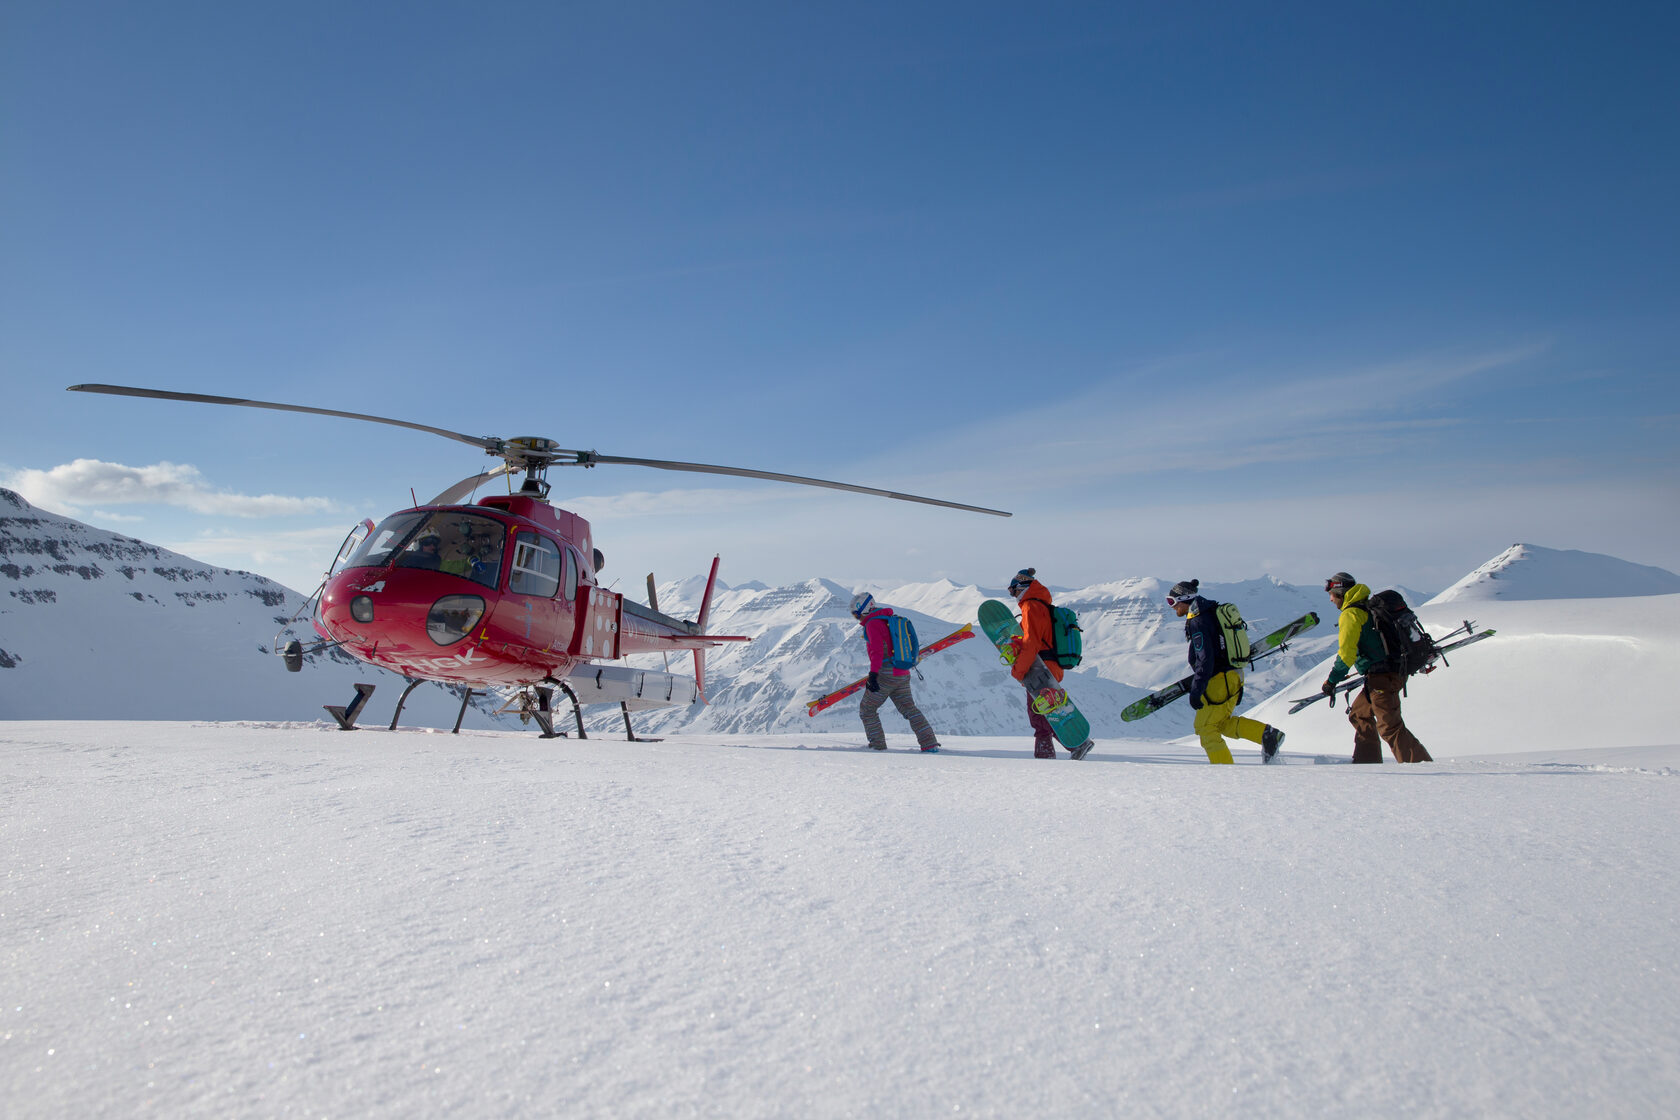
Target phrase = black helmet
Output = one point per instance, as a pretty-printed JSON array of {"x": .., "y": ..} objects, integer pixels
[{"x": 1339, "y": 583}]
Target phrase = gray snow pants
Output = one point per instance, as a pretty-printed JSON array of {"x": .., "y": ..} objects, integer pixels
[{"x": 897, "y": 688}]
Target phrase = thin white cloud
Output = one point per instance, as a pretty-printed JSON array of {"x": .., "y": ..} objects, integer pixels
[
  {"x": 83, "y": 483},
  {"x": 1210, "y": 413}
]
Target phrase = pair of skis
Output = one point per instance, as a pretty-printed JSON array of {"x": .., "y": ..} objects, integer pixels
[
  {"x": 1442, "y": 647},
  {"x": 822, "y": 703},
  {"x": 1275, "y": 642}
]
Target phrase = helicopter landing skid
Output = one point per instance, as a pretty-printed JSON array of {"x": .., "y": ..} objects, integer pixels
[
  {"x": 630, "y": 732},
  {"x": 346, "y": 715},
  {"x": 537, "y": 703},
  {"x": 401, "y": 700}
]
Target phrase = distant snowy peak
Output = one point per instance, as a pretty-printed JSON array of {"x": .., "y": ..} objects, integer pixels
[
  {"x": 38, "y": 549},
  {"x": 1527, "y": 571}
]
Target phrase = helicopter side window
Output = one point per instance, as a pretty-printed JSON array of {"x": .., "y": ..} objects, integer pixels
[
  {"x": 536, "y": 567},
  {"x": 571, "y": 575},
  {"x": 376, "y": 550}
]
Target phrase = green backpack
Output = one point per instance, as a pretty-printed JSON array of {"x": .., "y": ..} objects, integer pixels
[
  {"x": 1234, "y": 631},
  {"x": 1067, "y": 647}
]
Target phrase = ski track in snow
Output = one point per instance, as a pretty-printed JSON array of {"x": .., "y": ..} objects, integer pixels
[{"x": 281, "y": 919}]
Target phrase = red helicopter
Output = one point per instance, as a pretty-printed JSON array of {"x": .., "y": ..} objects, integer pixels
[{"x": 504, "y": 593}]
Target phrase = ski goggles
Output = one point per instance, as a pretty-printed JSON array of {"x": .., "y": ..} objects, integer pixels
[
  {"x": 1338, "y": 580},
  {"x": 1175, "y": 600}
]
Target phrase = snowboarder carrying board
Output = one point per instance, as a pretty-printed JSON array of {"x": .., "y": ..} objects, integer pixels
[
  {"x": 1218, "y": 649},
  {"x": 1376, "y": 710},
  {"x": 1037, "y": 637},
  {"x": 890, "y": 663}
]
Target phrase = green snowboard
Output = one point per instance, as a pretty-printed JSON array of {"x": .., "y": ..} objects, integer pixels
[
  {"x": 1275, "y": 642},
  {"x": 1049, "y": 699}
]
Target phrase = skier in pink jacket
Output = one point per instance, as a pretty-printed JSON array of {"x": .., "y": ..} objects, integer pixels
[{"x": 886, "y": 681}]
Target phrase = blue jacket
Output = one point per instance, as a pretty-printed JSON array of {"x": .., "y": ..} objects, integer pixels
[{"x": 1207, "y": 644}]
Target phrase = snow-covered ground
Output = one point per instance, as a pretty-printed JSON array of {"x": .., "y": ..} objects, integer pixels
[
  {"x": 286, "y": 920},
  {"x": 764, "y": 919}
]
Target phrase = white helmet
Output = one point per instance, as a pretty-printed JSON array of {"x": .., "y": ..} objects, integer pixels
[{"x": 861, "y": 602}]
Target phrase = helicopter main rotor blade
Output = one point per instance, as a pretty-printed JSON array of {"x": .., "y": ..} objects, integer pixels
[
  {"x": 458, "y": 492},
  {"x": 591, "y": 458},
  {"x": 490, "y": 445},
  {"x": 531, "y": 454}
]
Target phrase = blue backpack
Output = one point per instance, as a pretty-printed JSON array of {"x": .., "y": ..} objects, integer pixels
[{"x": 905, "y": 646}]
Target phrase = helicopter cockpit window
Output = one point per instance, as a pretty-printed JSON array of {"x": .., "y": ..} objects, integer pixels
[
  {"x": 536, "y": 566},
  {"x": 461, "y": 544},
  {"x": 376, "y": 550}
]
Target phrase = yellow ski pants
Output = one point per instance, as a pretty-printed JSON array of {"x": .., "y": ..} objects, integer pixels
[{"x": 1214, "y": 720}]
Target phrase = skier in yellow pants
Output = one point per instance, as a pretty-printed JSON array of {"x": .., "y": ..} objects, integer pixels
[{"x": 1217, "y": 684}]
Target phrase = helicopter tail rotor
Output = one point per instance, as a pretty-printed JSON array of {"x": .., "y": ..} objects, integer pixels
[{"x": 705, "y": 612}]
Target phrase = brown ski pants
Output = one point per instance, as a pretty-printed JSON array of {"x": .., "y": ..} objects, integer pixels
[{"x": 1376, "y": 712}]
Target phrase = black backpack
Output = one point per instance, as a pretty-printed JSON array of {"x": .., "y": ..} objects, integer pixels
[{"x": 1407, "y": 646}]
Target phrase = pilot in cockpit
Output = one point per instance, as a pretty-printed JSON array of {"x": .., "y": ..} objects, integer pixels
[{"x": 427, "y": 553}]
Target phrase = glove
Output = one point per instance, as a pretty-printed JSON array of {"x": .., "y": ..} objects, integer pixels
[
  {"x": 1195, "y": 701},
  {"x": 1328, "y": 689},
  {"x": 874, "y": 684}
]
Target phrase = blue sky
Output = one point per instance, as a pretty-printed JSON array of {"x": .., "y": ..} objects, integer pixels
[{"x": 1217, "y": 291}]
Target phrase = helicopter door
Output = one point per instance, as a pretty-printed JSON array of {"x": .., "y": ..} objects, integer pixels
[
  {"x": 352, "y": 542},
  {"x": 536, "y": 618}
]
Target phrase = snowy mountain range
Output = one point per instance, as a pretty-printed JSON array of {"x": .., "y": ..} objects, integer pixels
[
  {"x": 805, "y": 643},
  {"x": 94, "y": 624},
  {"x": 99, "y": 625}
]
